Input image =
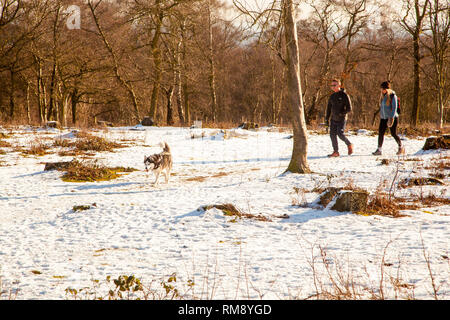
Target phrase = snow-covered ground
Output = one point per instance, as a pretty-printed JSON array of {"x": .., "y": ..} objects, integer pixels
[{"x": 155, "y": 232}]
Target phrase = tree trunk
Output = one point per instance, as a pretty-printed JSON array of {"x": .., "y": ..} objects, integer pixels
[
  {"x": 273, "y": 106},
  {"x": 52, "y": 114},
  {"x": 63, "y": 108},
  {"x": 11, "y": 93},
  {"x": 184, "y": 84},
  {"x": 74, "y": 102},
  {"x": 416, "y": 90},
  {"x": 156, "y": 54},
  {"x": 169, "y": 95},
  {"x": 212, "y": 68},
  {"x": 298, "y": 163},
  {"x": 178, "y": 83},
  {"x": 28, "y": 103}
]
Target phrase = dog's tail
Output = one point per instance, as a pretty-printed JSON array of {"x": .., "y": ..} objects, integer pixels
[{"x": 166, "y": 147}]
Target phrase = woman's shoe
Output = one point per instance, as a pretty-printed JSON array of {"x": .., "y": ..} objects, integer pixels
[{"x": 377, "y": 153}]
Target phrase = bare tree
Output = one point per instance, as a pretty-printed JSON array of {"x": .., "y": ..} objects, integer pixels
[
  {"x": 413, "y": 23},
  {"x": 326, "y": 31},
  {"x": 438, "y": 45},
  {"x": 357, "y": 17},
  {"x": 298, "y": 163},
  {"x": 127, "y": 85}
]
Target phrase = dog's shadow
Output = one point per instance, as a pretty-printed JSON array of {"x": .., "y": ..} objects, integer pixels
[
  {"x": 195, "y": 213},
  {"x": 108, "y": 186}
]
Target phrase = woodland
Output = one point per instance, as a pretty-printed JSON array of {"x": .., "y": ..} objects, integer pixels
[{"x": 176, "y": 61}]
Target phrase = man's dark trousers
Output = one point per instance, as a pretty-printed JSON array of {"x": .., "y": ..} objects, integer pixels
[{"x": 337, "y": 130}]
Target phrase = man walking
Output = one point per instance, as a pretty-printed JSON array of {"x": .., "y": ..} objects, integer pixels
[{"x": 338, "y": 106}]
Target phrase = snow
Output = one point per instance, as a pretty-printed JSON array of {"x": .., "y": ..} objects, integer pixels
[{"x": 154, "y": 232}]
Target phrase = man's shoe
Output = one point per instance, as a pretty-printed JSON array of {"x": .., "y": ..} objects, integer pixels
[
  {"x": 401, "y": 150},
  {"x": 350, "y": 149},
  {"x": 334, "y": 154},
  {"x": 377, "y": 153}
]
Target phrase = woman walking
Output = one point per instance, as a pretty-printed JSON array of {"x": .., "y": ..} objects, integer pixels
[{"x": 388, "y": 117}]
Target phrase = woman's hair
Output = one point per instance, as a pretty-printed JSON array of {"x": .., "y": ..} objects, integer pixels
[
  {"x": 386, "y": 85},
  {"x": 389, "y": 92}
]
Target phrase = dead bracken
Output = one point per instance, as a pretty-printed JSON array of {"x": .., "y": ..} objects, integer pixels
[
  {"x": 230, "y": 210},
  {"x": 86, "y": 171}
]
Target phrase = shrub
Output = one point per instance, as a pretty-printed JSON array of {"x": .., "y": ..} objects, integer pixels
[
  {"x": 78, "y": 171},
  {"x": 37, "y": 148},
  {"x": 88, "y": 142}
]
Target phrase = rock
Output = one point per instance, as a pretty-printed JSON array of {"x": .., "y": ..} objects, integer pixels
[
  {"x": 328, "y": 195},
  {"x": 249, "y": 125},
  {"x": 52, "y": 124},
  {"x": 104, "y": 124},
  {"x": 147, "y": 121},
  {"x": 353, "y": 201},
  {"x": 442, "y": 142}
]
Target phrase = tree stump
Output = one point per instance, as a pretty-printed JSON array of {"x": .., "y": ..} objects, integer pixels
[
  {"x": 353, "y": 201},
  {"x": 327, "y": 196},
  {"x": 442, "y": 142},
  {"x": 147, "y": 121}
]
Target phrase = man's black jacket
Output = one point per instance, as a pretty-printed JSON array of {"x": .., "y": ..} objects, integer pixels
[{"x": 339, "y": 105}]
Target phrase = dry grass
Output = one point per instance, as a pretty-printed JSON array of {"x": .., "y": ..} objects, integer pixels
[
  {"x": 230, "y": 210},
  {"x": 421, "y": 199},
  {"x": 381, "y": 204},
  {"x": 203, "y": 178},
  {"x": 64, "y": 143},
  {"x": 37, "y": 148},
  {"x": 78, "y": 171},
  {"x": 439, "y": 167},
  {"x": 88, "y": 142},
  {"x": 4, "y": 144},
  {"x": 299, "y": 198},
  {"x": 198, "y": 178}
]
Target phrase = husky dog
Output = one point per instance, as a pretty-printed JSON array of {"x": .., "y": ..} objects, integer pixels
[{"x": 159, "y": 162}]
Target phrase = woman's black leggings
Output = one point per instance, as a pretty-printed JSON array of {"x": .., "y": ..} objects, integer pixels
[{"x": 382, "y": 130}]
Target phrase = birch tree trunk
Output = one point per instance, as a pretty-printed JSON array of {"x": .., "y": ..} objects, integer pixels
[
  {"x": 178, "y": 84},
  {"x": 156, "y": 54},
  {"x": 439, "y": 21},
  {"x": 298, "y": 162},
  {"x": 212, "y": 68}
]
